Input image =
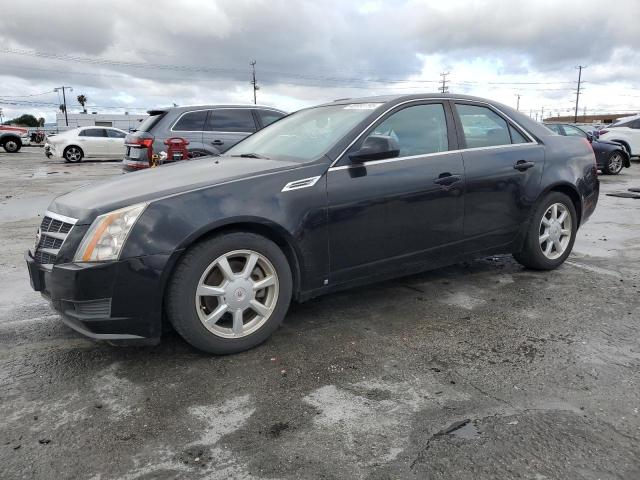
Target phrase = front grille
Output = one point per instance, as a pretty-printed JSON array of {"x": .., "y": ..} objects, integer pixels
[{"x": 54, "y": 230}]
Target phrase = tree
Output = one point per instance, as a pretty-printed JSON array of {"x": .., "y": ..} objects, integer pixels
[
  {"x": 82, "y": 100},
  {"x": 41, "y": 121},
  {"x": 62, "y": 108},
  {"x": 25, "y": 120}
]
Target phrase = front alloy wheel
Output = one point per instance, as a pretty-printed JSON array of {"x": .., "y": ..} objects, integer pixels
[
  {"x": 614, "y": 163},
  {"x": 237, "y": 294},
  {"x": 229, "y": 293},
  {"x": 12, "y": 146},
  {"x": 73, "y": 154}
]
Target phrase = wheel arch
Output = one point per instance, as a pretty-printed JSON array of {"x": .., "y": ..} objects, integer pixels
[
  {"x": 271, "y": 231},
  {"x": 66, "y": 147},
  {"x": 566, "y": 188},
  {"x": 625, "y": 144}
]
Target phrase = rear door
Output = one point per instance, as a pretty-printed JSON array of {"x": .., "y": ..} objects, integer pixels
[
  {"x": 503, "y": 168},
  {"x": 94, "y": 142},
  {"x": 227, "y": 126}
]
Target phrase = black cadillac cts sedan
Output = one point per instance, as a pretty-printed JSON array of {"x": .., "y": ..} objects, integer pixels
[{"x": 329, "y": 197}]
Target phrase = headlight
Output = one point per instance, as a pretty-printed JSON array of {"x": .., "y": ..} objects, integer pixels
[{"x": 107, "y": 234}]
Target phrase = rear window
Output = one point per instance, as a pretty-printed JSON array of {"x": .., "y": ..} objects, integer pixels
[
  {"x": 231, "y": 120},
  {"x": 148, "y": 123},
  {"x": 191, "y": 122}
]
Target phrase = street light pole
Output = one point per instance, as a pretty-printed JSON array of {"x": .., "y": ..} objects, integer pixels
[{"x": 64, "y": 101}]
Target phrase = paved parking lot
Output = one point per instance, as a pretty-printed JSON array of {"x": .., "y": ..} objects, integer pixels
[{"x": 480, "y": 370}]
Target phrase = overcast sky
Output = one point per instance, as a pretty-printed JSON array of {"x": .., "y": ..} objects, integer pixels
[{"x": 135, "y": 55}]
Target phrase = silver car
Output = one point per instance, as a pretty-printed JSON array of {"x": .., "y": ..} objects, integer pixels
[{"x": 210, "y": 130}]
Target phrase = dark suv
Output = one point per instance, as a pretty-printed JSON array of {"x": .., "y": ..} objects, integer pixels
[{"x": 210, "y": 130}]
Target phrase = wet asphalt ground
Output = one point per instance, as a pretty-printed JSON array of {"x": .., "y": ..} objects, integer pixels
[{"x": 480, "y": 370}]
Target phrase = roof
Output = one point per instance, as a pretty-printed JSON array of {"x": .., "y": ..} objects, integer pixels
[{"x": 533, "y": 127}]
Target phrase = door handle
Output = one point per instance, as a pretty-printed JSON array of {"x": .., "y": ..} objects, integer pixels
[
  {"x": 447, "y": 179},
  {"x": 217, "y": 142},
  {"x": 523, "y": 165}
]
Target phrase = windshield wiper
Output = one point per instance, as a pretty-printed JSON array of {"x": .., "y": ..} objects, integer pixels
[{"x": 251, "y": 155}]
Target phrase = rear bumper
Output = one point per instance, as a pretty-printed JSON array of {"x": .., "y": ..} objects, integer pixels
[
  {"x": 590, "y": 202},
  {"x": 116, "y": 301}
]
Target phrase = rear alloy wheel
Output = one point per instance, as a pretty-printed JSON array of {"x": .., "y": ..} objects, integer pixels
[
  {"x": 12, "y": 146},
  {"x": 73, "y": 154},
  {"x": 550, "y": 234},
  {"x": 229, "y": 293},
  {"x": 614, "y": 163}
]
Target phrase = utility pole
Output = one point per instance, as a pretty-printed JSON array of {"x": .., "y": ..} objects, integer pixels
[
  {"x": 253, "y": 82},
  {"x": 444, "y": 88},
  {"x": 0, "y": 116},
  {"x": 64, "y": 101},
  {"x": 518, "y": 104},
  {"x": 575, "y": 115},
  {"x": 542, "y": 115},
  {"x": 584, "y": 114}
]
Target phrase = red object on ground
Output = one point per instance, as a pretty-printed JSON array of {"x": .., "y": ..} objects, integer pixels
[{"x": 177, "y": 148}]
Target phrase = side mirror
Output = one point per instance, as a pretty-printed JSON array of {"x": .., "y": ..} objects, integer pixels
[
  {"x": 376, "y": 147},
  {"x": 590, "y": 136}
]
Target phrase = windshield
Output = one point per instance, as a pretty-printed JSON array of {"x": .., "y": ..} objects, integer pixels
[{"x": 305, "y": 135}]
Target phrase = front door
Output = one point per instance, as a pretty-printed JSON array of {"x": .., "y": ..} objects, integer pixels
[
  {"x": 94, "y": 142},
  {"x": 385, "y": 215},
  {"x": 503, "y": 168}
]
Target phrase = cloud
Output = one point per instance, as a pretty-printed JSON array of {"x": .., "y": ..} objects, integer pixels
[{"x": 313, "y": 51}]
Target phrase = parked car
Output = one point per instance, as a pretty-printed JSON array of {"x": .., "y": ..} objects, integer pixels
[
  {"x": 342, "y": 194},
  {"x": 625, "y": 132},
  {"x": 611, "y": 157},
  {"x": 210, "y": 130},
  {"x": 12, "y": 138},
  {"x": 86, "y": 142}
]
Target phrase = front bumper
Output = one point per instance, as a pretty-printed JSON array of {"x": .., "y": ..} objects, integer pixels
[{"x": 116, "y": 301}]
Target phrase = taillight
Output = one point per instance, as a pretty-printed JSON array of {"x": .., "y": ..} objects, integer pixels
[{"x": 145, "y": 142}]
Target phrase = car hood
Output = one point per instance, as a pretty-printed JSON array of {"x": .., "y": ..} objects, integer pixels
[{"x": 95, "y": 199}]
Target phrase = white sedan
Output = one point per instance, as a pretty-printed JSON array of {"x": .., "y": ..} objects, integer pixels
[{"x": 86, "y": 142}]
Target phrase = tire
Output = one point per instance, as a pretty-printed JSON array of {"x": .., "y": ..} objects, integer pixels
[
  {"x": 73, "y": 154},
  {"x": 532, "y": 254},
  {"x": 12, "y": 145},
  {"x": 614, "y": 163},
  {"x": 202, "y": 268}
]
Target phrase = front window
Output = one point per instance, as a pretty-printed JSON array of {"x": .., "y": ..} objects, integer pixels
[
  {"x": 419, "y": 130},
  {"x": 305, "y": 135}
]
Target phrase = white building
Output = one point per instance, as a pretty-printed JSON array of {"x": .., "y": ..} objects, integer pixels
[{"x": 122, "y": 121}]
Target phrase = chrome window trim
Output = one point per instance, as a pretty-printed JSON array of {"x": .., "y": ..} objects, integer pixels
[
  {"x": 438, "y": 99},
  {"x": 213, "y": 110},
  {"x": 62, "y": 218},
  {"x": 444, "y": 152}
]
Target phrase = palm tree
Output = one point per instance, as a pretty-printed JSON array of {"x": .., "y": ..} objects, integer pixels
[{"x": 82, "y": 100}]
